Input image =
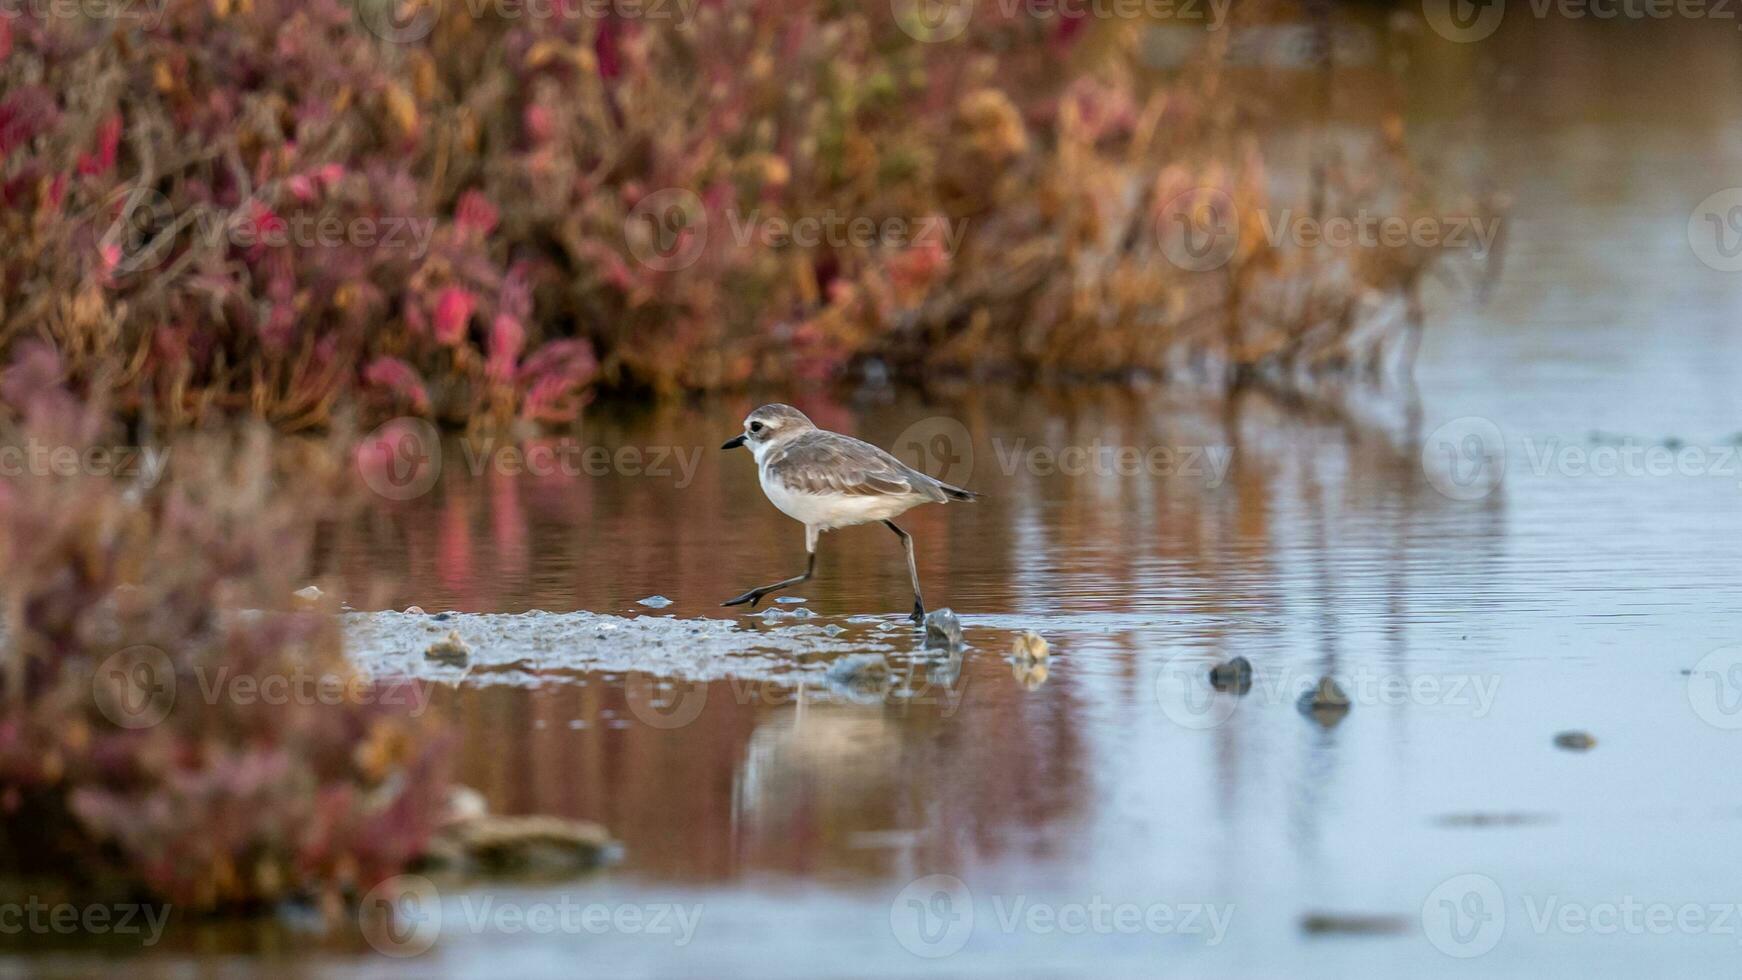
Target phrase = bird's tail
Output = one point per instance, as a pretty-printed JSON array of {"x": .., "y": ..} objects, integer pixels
[{"x": 957, "y": 493}]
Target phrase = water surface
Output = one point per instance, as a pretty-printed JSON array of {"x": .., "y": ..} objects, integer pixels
[{"x": 1351, "y": 534}]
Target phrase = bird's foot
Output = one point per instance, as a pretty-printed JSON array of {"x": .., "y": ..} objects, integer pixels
[
  {"x": 918, "y": 616},
  {"x": 752, "y": 597}
]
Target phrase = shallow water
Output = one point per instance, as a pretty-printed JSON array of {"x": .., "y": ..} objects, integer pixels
[{"x": 1356, "y": 535}]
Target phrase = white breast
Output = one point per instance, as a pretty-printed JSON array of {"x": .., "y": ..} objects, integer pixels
[{"x": 827, "y": 511}]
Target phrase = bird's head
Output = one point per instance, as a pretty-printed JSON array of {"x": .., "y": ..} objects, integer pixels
[{"x": 769, "y": 426}]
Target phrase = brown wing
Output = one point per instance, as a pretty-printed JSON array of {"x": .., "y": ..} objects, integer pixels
[{"x": 828, "y": 462}]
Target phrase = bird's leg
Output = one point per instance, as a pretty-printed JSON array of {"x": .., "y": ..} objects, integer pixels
[
  {"x": 912, "y": 570},
  {"x": 755, "y": 595}
]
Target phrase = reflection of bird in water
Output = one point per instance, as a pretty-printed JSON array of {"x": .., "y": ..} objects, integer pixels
[{"x": 853, "y": 751}]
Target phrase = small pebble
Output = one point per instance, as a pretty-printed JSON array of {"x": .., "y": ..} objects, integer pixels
[
  {"x": 414, "y": 610},
  {"x": 1575, "y": 741},
  {"x": 654, "y": 602},
  {"x": 308, "y": 594},
  {"x": 450, "y": 649},
  {"x": 1233, "y": 677},
  {"x": 1326, "y": 703},
  {"x": 943, "y": 631},
  {"x": 1029, "y": 646}
]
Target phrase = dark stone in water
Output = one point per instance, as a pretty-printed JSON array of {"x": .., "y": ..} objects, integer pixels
[
  {"x": 1326, "y": 703},
  {"x": 943, "y": 631},
  {"x": 534, "y": 846},
  {"x": 1479, "y": 819},
  {"x": 1575, "y": 741},
  {"x": 1233, "y": 677},
  {"x": 1336, "y": 923}
]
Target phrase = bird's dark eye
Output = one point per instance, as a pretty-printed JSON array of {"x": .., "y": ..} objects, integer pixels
[{"x": 756, "y": 427}]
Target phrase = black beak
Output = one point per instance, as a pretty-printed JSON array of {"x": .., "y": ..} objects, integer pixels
[{"x": 734, "y": 442}]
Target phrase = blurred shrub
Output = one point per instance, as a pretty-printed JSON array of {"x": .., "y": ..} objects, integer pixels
[
  {"x": 475, "y": 208},
  {"x": 169, "y": 725}
]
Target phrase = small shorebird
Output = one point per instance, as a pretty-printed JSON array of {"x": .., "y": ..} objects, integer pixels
[{"x": 825, "y": 480}]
